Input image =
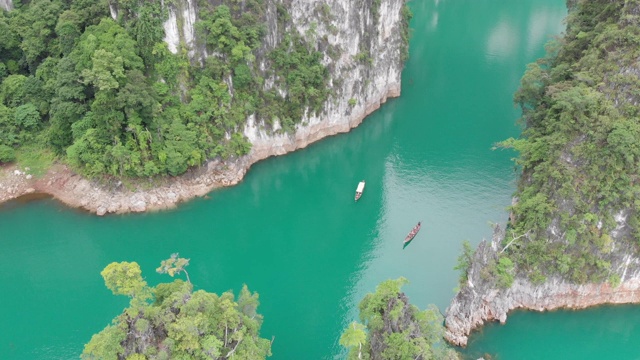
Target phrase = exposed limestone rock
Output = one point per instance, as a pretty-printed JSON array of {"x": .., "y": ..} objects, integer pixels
[
  {"x": 183, "y": 12},
  {"x": 481, "y": 300},
  {"x": 139, "y": 206},
  {"x": 101, "y": 211},
  {"x": 405, "y": 322},
  {"x": 369, "y": 83},
  {"x": 6, "y": 5},
  {"x": 353, "y": 29}
]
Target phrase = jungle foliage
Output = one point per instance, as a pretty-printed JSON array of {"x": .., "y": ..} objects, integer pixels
[
  {"x": 108, "y": 97},
  {"x": 171, "y": 321},
  {"x": 579, "y": 151},
  {"x": 391, "y": 328}
]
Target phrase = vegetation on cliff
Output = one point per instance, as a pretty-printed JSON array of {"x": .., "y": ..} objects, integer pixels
[
  {"x": 579, "y": 152},
  {"x": 109, "y": 98},
  {"x": 171, "y": 321},
  {"x": 391, "y": 328}
]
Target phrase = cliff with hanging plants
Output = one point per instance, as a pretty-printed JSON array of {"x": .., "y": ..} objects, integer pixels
[
  {"x": 572, "y": 238},
  {"x": 184, "y": 92}
]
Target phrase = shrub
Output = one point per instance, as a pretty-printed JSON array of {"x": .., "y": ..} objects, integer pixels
[{"x": 7, "y": 154}]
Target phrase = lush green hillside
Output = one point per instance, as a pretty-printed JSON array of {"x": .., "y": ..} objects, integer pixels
[
  {"x": 580, "y": 150},
  {"x": 109, "y": 98}
]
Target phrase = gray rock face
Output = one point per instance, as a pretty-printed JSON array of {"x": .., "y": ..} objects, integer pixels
[
  {"x": 351, "y": 27},
  {"x": 481, "y": 300},
  {"x": 6, "y": 5}
]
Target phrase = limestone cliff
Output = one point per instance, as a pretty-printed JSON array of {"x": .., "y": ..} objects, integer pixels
[
  {"x": 482, "y": 300},
  {"x": 6, "y": 4},
  {"x": 348, "y": 28},
  {"x": 340, "y": 29},
  {"x": 573, "y": 237}
]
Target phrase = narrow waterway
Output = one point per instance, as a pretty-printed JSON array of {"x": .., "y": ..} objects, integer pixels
[{"x": 291, "y": 230}]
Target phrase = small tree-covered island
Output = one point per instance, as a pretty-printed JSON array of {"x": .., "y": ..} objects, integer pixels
[
  {"x": 172, "y": 321},
  {"x": 572, "y": 240},
  {"x": 130, "y": 95}
]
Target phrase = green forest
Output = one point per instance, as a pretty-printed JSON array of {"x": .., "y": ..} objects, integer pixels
[
  {"x": 579, "y": 151},
  {"x": 108, "y": 98},
  {"x": 172, "y": 321}
]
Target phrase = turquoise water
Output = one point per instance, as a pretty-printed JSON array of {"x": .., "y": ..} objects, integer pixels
[
  {"x": 610, "y": 332},
  {"x": 291, "y": 230}
]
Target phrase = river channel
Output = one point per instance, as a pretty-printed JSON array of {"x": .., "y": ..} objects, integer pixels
[{"x": 291, "y": 230}]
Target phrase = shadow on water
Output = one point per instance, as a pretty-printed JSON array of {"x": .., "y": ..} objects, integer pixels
[{"x": 22, "y": 200}]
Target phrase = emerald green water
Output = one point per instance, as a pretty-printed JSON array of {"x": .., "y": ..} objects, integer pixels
[
  {"x": 291, "y": 230},
  {"x": 610, "y": 332}
]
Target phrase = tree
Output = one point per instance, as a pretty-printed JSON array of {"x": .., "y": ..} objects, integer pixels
[
  {"x": 27, "y": 116},
  {"x": 35, "y": 25},
  {"x": 67, "y": 106},
  {"x": 107, "y": 72},
  {"x": 124, "y": 278},
  {"x": 464, "y": 262},
  {"x": 12, "y": 91},
  {"x": 174, "y": 265},
  {"x": 394, "y": 329},
  {"x": 7, "y": 154},
  {"x": 176, "y": 322},
  {"x": 68, "y": 30},
  {"x": 354, "y": 336},
  {"x": 8, "y": 129}
]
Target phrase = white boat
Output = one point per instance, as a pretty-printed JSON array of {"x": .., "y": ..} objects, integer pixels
[{"x": 359, "y": 190}]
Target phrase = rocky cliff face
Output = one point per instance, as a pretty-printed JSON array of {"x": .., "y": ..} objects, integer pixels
[
  {"x": 368, "y": 84},
  {"x": 348, "y": 27},
  {"x": 6, "y": 4},
  {"x": 357, "y": 87},
  {"x": 482, "y": 300},
  {"x": 600, "y": 262},
  {"x": 399, "y": 318}
]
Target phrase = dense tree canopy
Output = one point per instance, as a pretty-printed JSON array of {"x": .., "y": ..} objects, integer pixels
[
  {"x": 110, "y": 99},
  {"x": 394, "y": 329},
  {"x": 171, "y": 321}
]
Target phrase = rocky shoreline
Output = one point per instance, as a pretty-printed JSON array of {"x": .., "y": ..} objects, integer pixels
[
  {"x": 481, "y": 300},
  {"x": 76, "y": 191}
]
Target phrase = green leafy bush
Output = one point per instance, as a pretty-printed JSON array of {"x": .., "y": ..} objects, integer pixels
[{"x": 7, "y": 154}]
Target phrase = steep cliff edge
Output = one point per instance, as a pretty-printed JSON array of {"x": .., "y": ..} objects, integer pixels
[
  {"x": 359, "y": 87},
  {"x": 572, "y": 238},
  {"x": 482, "y": 300},
  {"x": 363, "y": 45},
  {"x": 367, "y": 42}
]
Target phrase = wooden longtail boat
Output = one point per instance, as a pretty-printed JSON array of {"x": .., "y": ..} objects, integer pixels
[
  {"x": 359, "y": 190},
  {"x": 411, "y": 235}
]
